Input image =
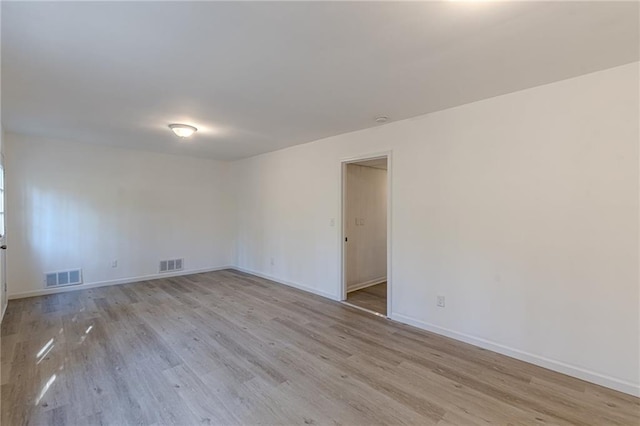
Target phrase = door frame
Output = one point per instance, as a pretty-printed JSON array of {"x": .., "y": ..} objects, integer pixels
[{"x": 343, "y": 180}]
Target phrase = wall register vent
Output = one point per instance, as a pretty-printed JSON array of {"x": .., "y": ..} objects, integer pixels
[
  {"x": 62, "y": 278},
  {"x": 171, "y": 265}
]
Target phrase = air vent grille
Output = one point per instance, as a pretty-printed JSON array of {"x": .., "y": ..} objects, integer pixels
[
  {"x": 171, "y": 265},
  {"x": 62, "y": 278}
]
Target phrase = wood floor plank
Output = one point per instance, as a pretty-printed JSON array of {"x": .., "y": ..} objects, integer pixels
[
  {"x": 373, "y": 298},
  {"x": 230, "y": 348}
]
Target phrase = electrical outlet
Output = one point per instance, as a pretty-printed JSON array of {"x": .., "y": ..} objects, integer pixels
[
  {"x": 273, "y": 262},
  {"x": 332, "y": 222},
  {"x": 440, "y": 301},
  {"x": 114, "y": 264}
]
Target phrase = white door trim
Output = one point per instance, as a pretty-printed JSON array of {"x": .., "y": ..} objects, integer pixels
[{"x": 343, "y": 169}]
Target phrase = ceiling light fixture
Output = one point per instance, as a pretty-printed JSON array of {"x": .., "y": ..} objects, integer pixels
[
  {"x": 183, "y": 130},
  {"x": 381, "y": 119}
]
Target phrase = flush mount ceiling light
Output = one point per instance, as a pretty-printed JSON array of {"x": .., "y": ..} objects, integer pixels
[
  {"x": 381, "y": 119},
  {"x": 183, "y": 130}
]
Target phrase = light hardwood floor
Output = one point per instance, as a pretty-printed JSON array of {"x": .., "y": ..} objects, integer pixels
[
  {"x": 230, "y": 348},
  {"x": 373, "y": 298}
]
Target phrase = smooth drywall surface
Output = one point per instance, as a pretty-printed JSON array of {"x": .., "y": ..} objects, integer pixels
[
  {"x": 365, "y": 225},
  {"x": 522, "y": 210},
  {"x": 83, "y": 206}
]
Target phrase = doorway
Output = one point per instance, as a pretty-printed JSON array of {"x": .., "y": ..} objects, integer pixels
[
  {"x": 365, "y": 233},
  {"x": 3, "y": 246}
]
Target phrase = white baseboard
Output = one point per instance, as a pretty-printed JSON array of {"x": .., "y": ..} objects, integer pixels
[
  {"x": 287, "y": 283},
  {"x": 366, "y": 284},
  {"x": 45, "y": 291},
  {"x": 560, "y": 367}
]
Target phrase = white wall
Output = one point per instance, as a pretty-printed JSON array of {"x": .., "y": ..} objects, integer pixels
[
  {"x": 79, "y": 205},
  {"x": 365, "y": 226},
  {"x": 522, "y": 210}
]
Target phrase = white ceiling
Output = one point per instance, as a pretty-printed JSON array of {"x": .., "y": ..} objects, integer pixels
[{"x": 258, "y": 76}]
